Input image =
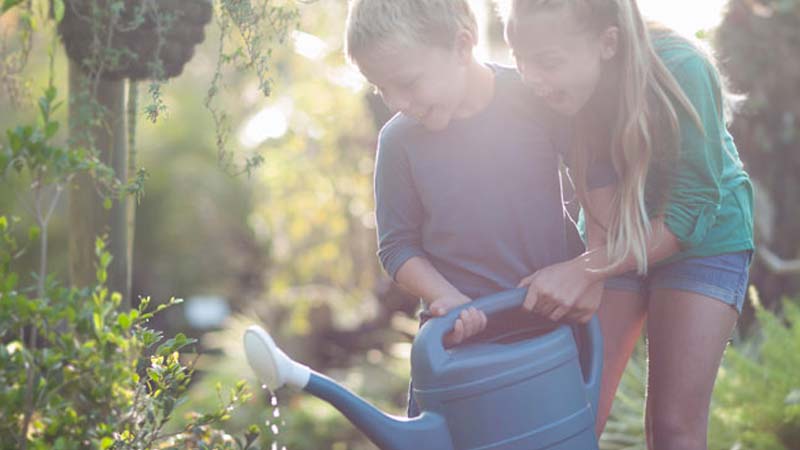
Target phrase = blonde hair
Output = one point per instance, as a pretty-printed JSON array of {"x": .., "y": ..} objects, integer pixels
[
  {"x": 644, "y": 102},
  {"x": 381, "y": 24}
]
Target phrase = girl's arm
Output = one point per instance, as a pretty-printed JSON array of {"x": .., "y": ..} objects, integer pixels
[
  {"x": 570, "y": 288},
  {"x": 661, "y": 245}
]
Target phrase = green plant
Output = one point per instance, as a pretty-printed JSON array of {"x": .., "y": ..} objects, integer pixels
[
  {"x": 77, "y": 372},
  {"x": 76, "y": 369},
  {"x": 757, "y": 397}
]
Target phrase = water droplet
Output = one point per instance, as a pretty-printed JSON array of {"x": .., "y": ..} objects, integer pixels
[
  {"x": 276, "y": 413},
  {"x": 273, "y": 401},
  {"x": 268, "y": 423},
  {"x": 229, "y": 408},
  {"x": 274, "y": 429},
  {"x": 274, "y": 446},
  {"x": 264, "y": 386}
]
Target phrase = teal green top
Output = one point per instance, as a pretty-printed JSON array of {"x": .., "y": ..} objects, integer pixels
[{"x": 709, "y": 206}]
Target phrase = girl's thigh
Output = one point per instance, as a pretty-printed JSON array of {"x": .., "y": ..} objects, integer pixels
[
  {"x": 687, "y": 335},
  {"x": 621, "y": 313}
]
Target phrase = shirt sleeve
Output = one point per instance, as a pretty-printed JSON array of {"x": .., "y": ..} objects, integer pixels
[
  {"x": 398, "y": 209},
  {"x": 695, "y": 193}
]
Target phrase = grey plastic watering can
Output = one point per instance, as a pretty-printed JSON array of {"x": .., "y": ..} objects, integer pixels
[{"x": 525, "y": 390}]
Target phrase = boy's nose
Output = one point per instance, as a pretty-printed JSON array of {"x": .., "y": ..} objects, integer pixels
[{"x": 536, "y": 83}]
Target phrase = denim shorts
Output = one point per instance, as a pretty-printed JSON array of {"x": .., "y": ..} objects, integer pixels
[{"x": 721, "y": 277}]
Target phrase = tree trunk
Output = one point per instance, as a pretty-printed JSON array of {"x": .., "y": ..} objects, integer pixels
[{"x": 87, "y": 217}]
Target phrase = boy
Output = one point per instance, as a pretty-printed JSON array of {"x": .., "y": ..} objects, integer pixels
[{"x": 468, "y": 194}]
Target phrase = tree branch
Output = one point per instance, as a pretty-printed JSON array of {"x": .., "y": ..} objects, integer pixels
[{"x": 777, "y": 265}]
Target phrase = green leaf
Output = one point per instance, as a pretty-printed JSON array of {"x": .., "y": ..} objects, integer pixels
[
  {"x": 10, "y": 282},
  {"x": 124, "y": 321},
  {"x": 51, "y": 129},
  {"x": 58, "y": 10},
  {"x": 34, "y": 232},
  {"x": 106, "y": 442},
  {"x": 107, "y": 203},
  {"x": 3, "y": 223},
  {"x": 8, "y": 4},
  {"x": 98, "y": 323}
]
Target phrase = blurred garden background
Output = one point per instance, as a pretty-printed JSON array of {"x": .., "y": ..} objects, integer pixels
[{"x": 247, "y": 193}]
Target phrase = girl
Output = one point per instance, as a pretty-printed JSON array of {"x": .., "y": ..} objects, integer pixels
[{"x": 666, "y": 204}]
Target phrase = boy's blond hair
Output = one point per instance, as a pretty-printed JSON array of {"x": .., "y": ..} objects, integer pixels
[{"x": 382, "y": 24}]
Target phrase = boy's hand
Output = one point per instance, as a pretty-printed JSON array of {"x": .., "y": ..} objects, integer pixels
[{"x": 469, "y": 323}]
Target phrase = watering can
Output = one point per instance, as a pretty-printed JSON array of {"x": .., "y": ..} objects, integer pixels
[{"x": 531, "y": 389}]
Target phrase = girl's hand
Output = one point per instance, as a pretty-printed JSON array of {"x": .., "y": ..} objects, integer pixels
[
  {"x": 563, "y": 290},
  {"x": 469, "y": 323}
]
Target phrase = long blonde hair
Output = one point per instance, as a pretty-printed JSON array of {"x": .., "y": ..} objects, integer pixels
[{"x": 643, "y": 103}]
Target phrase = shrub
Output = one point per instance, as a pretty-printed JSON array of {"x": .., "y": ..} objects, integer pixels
[{"x": 757, "y": 397}]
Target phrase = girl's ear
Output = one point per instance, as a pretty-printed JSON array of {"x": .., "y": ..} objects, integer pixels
[
  {"x": 609, "y": 43},
  {"x": 465, "y": 42}
]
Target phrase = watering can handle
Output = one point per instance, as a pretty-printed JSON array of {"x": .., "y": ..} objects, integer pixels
[{"x": 436, "y": 328}]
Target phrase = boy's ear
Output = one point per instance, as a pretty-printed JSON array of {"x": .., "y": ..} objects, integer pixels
[
  {"x": 609, "y": 43},
  {"x": 465, "y": 42}
]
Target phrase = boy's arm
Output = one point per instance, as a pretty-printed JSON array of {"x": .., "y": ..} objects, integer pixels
[
  {"x": 418, "y": 276},
  {"x": 400, "y": 214}
]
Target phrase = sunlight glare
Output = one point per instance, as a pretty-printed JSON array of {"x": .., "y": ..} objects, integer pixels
[
  {"x": 684, "y": 16},
  {"x": 309, "y": 46},
  {"x": 269, "y": 123}
]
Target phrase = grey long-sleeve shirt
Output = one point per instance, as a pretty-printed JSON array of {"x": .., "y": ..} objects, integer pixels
[{"x": 481, "y": 200}]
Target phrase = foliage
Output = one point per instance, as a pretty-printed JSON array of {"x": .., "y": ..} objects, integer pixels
[
  {"x": 94, "y": 376},
  {"x": 757, "y": 397},
  {"x": 75, "y": 370},
  {"x": 146, "y": 39},
  {"x": 752, "y": 36},
  {"x": 252, "y": 28}
]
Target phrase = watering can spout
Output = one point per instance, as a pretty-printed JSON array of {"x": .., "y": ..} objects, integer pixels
[
  {"x": 428, "y": 430},
  {"x": 275, "y": 369}
]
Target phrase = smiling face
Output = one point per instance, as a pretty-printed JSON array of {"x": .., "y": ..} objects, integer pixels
[
  {"x": 560, "y": 58},
  {"x": 426, "y": 83}
]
